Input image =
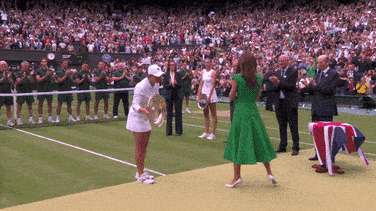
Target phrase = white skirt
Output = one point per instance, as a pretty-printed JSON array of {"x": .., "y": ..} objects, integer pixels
[
  {"x": 137, "y": 123},
  {"x": 214, "y": 98}
]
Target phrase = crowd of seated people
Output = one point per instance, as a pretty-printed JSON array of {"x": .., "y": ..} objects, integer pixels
[{"x": 301, "y": 30}]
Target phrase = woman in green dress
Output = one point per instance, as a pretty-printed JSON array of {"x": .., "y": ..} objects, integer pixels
[{"x": 248, "y": 142}]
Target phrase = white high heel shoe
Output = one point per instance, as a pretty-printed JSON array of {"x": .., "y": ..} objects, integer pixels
[
  {"x": 274, "y": 180},
  {"x": 240, "y": 180}
]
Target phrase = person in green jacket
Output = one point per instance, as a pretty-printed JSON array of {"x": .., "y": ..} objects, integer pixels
[{"x": 121, "y": 78}]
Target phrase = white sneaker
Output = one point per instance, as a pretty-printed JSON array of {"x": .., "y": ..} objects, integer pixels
[
  {"x": 106, "y": 116},
  {"x": 89, "y": 118},
  {"x": 40, "y": 121},
  {"x": 115, "y": 117},
  {"x": 10, "y": 123},
  {"x": 95, "y": 117},
  {"x": 145, "y": 174},
  {"x": 143, "y": 179},
  {"x": 204, "y": 135},
  {"x": 52, "y": 121},
  {"x": 31, "y": 120},
  {"x": 188, "y": 111},
  {"x": 211, "y": 137},
  {"x": 71, "y": 119},
  {"x": 19, "y": 121},
  {"x": 78, "y": 118}
]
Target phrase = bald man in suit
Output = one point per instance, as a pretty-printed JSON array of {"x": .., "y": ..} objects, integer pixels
[
  {"x": 323, "y": 89},
  {"x": 284, "y": 81}
]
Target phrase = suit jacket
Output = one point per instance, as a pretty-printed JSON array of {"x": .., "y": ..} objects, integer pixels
[
  {"x": 287, "y": 85},
  {"x": 269, "y": 86},
  {"x": 173, "y": 93},
  {"x": 324, "y": 101}
]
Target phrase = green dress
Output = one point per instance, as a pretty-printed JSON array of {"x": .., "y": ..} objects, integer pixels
[{"x": 248, "y": 142}]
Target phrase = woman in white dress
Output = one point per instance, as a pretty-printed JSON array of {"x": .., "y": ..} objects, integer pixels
[
  {"x": 207, "y": 87},
  {"x": 138, "y": 121}
]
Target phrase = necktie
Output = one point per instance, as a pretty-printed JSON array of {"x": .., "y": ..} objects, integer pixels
[
  {"x": 319, "y": 72},
  {"x": 283, "y": 72}
]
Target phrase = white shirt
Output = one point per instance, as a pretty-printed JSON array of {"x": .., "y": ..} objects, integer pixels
[
  {"x": 172, "y": 77},
  {"x": 137, "y": 121},
  {"x": 283, "y": 74}
]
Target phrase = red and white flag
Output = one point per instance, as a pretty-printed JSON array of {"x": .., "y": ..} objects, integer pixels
[{"x": 330, "y": 138}]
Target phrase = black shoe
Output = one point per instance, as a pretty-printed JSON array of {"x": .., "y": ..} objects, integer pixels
[
  {"x": 169, "y": 134},
  {"x": 280, "y": 150},
  {"x": 178, "y": 134},
  {"x": 294, "y": 153},
  {"x": 225, "y": 142},
  {"x": 314, "y": 158}
]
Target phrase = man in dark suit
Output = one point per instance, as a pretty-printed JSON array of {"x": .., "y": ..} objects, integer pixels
[
  {"x": 284, "y": 82},
  {"x": 323, "y": 88},
  {"x": 173, "y": 94}
]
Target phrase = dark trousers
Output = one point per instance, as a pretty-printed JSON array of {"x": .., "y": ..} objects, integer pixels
[
  {"x": 178, "y": 116},
  {"x": 287, "y": 115},
  {"x": 117, "y": 97},
  {"x": 270, "y": 101},
  {"x": 322, "y": 118}
]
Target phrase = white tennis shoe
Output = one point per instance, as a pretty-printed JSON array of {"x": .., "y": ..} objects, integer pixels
[
  {"x": 145, "y": 178},
  {"x": 19, "y": 121},
  {"x": 52, "y": 121},
  {"x": 106, "y": 116},
  {"x": 89, "y": 118},
  {"x": 204, "y": 135},
  {"x": 71, "y": 119},
  {"x": 31, "y": 120},
  {"x": 10, "y": 123},
  {"x": 211, "y": 137},
  {"x": 95, "y": 117},
  {"x": 145, "y": 174}
]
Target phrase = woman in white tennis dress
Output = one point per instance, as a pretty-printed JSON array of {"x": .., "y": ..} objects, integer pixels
[
  {"x": 138, "y": 121},
  {"x": 207, "y": 87}
]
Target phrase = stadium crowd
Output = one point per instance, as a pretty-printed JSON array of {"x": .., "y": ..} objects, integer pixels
[{"x": 300, "y": 29}]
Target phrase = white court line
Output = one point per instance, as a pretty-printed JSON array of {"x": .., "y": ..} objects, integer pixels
[
  {"x": 82, "y": 149},
  {"x": 223, "y": 130},
  {"x": 371, "y": 142}
]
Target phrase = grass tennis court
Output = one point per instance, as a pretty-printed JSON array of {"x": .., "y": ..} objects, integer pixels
[{"x": 35, "y": 169}]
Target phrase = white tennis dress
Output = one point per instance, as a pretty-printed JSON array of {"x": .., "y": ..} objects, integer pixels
[
  {"x": 137, "y": 121},
  {"x": 208, "y": 80}
]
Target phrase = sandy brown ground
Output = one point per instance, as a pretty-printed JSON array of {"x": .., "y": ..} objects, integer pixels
[{"x": 299, "y": 188}]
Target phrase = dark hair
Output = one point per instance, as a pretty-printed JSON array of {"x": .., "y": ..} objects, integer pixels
[
  {"x": 168, "y": 64},
  {"x": 247, "y": 66}
]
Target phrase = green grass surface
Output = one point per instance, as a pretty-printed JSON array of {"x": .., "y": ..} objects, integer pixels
[{"x": 34, "y": 169}]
